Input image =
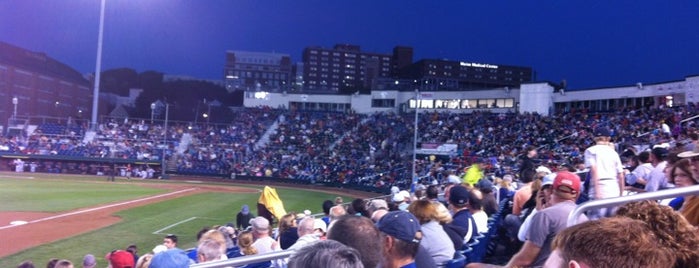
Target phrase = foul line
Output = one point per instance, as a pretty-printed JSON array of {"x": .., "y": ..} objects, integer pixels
[
  {"x": 99, "y": 208},
  {"x": 173, "y": 225}
]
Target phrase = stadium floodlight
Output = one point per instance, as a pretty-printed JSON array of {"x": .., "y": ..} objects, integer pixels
[
  {"x": 162, "y": 165},
  {"x": 15, "y": 101},
  {"x": 152, "y": 111},
  {"x": 98, "y": 69}
]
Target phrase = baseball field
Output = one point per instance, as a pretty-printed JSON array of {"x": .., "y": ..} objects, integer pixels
[{"x": 44, "y": 216}]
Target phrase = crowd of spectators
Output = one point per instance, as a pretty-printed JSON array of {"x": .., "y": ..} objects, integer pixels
[{"x": 372, "y": 150}]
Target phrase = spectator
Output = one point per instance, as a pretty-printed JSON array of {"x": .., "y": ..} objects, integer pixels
[
  {"x": 327, "y": 204},
  {"x": 64, "y": 264},
  {"x": 528, "y": 164},
  {"x": 26, "y": 264},
  {"x": 640, "y": 175},
  {"x": 320, "y": 228},
  {"x": 242, "y": 219},
  {"x": 432, "y": 193},
  {"x": 618, "y": 242},
  {"x": 260, "y": 230},
  {"x": 134, "y": 251},
  {"x": 547, "y": 223},
  {"x": 245, "y": 242},
  {"x": 229, "y": 234},
  {"x": 681, "y": 175},
  {"x": 359, "y": 233},
  {"x": 458, "y": 202},
  {"x": 475, "y": 207},
  {"x": 326, "y": 253},
  {"x": 374, "y": 205},
  {"x": 52, "y": 263},
  {"x": 120, "y": 259},
  {"x": 433, "y": 234},
  {"x": 657, "y": 179},
  {"x": 490, "y": 203},
  {"x": 288, "y": 231},
  {"x": 523, "y": 193},
  {"x": 672, "y": 230},
  {"x": 690, "y": 164},
  {"x": 170, "y": 241},
  {"x": 359, "y": 207},
  {"x": 543, "y": 200},
  {"x": 159, "y": 248},
  {"x": 144, "y": 261},
  {"x": 606, "y": 171},
  {"x": 376, "y": 216},
  {"x": 402, "y": 200},
  {"x": 210, "y": 250},
  {"x": 401, "y": 238},
  {"x": 89, "y": 261},
  {"x": 306, "y": 233},
  {"x": 171, "y": 258}
]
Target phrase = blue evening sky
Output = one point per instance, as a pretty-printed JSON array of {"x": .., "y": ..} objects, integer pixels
[{"x": 588, "y": 43}]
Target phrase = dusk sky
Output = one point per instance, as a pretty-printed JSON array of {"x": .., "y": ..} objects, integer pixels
[{"x": 588, "y": 43}]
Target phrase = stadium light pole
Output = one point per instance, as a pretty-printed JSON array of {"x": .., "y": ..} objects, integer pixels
[
  {"x": 15, "y": 101},
  {"x": 98, "y": 69},
  {"x": 152, "y": 111},
  {"x": 162, "y": 165},
  {"x": 417, "y": 109}
]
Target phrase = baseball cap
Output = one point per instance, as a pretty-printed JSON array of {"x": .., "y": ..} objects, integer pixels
[
  {"x": 245, "y": 210},
  {"x": 89, "y": 261},
  {"x": 400, "y": 196},
  {"x": 507, "y": 177},
  {"x": 543, "y": 169},
  {"x": 159, "y": 248},
  {"x": 602, "y": 132},
  {"x": 171, "y": 258},
  {"x": 567, "y": 182},
  {"x": 548, "y": 179},
  {"x": 453, "y": 179},
  {"x": 377, "y": 204},
  {"x": 689, "y": 154},
  {"x": 320, "y": 224},
  {"x": 121, "y": 259},
  {"x": 401, "y": 225},
  {"x": 484, "y": 184},
  {"x": 260, "y": 223},
  {"x": 660, "y": 152},
  {"x": 458, "y": 195}
]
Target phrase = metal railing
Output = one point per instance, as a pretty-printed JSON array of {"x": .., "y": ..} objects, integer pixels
[
  {"x": 610, "y": 202},
  {"x": 240, "y": 261}
]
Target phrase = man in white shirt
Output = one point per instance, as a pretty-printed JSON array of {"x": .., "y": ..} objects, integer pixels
[
  {"x": 606, "y": 171},
  {"x": 657, "y": 179},
  {"x": 641, "y": 174},
  {"x": 260, "y": 231}
]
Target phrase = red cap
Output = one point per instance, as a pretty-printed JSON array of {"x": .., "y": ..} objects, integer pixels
[
  {"x": 121, "y": 259},
  {"x": 567, "y": 182}
]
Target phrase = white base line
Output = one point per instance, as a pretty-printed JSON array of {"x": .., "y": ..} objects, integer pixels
[
  {"x": 173, "y": 225},
  {"x": 98, "y": 208}
]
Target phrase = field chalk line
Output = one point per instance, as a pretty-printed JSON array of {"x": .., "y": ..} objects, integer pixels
[
  {"x": 173, "y": 225},
  {"x": 99, "y": 208}
]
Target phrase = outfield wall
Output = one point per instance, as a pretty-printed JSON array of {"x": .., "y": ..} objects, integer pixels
[{"x": 93, "y": 166}]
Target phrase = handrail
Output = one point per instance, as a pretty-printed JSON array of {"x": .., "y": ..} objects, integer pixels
[
  {"x": 609, "y": 202},
  {"x": 235, "y": 262},
  {"x": 689, "y": 119}
]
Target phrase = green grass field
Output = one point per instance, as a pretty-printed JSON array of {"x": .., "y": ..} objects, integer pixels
[{"x": 144, "y": 226}]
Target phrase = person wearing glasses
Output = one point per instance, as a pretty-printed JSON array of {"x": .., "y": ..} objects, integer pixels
[{"x": 686, "y": 173}]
